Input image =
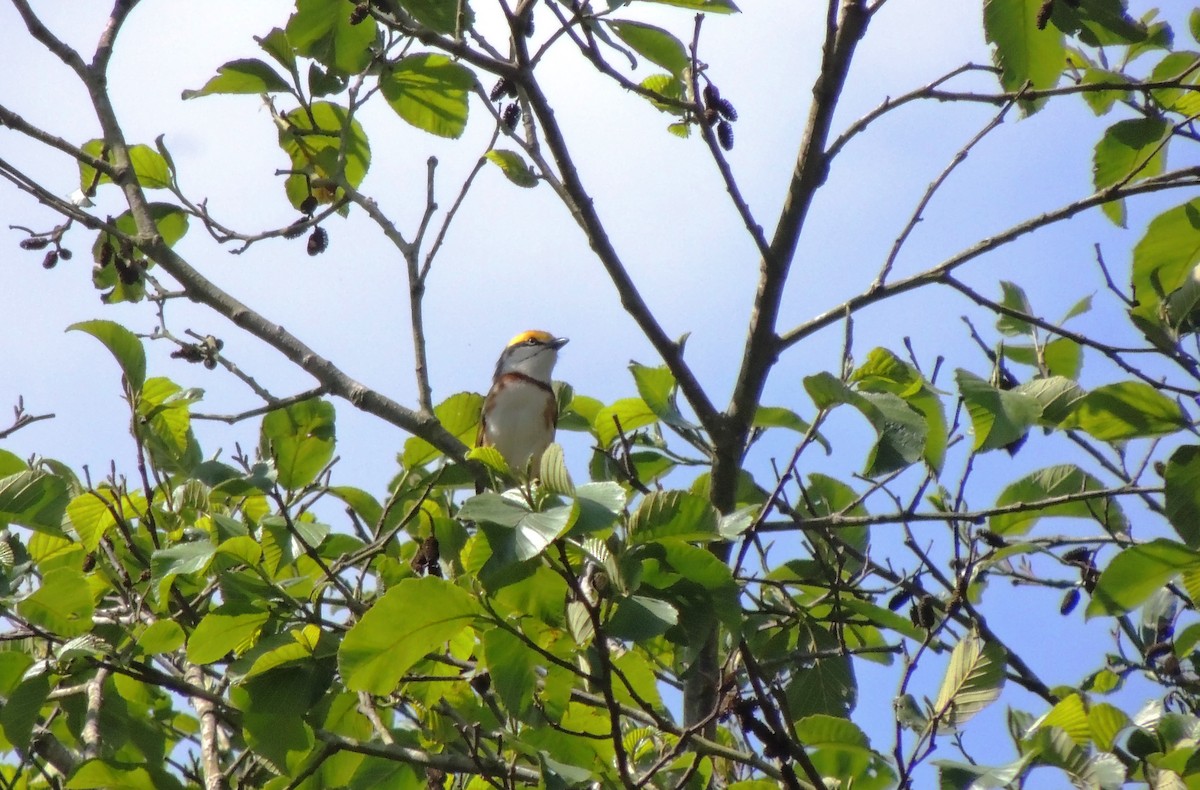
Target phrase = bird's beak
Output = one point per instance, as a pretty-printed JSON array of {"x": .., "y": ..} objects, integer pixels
[{"x": 558, "y": 342}]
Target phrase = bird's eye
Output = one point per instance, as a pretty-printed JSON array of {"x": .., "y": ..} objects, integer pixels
[{"x": 531, "y": 341}]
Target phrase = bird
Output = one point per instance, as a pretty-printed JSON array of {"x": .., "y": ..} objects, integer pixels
[{"x": 520, "y": 412}]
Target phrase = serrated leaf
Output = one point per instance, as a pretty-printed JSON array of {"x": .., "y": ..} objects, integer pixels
[
  {"x": 322, "y": 30},
  {"x": 231, "y": 628},
  {"x": 149, "y": 166},
  {"x": 1056, "y": 481},
  {"x": 300, "y": 438},
  {"x": 1163, "y": 260},
  {"x": 459, "y": 415},
  {"x": 1137, "y": 573},
  {"x": 323, "y": 142},
  {"x": 902, "y": 431},
  {"x": 654, "y": 44},
  {"x": 1014, "y": 298},
  {"x": 415, "y": 617},
  {"x": 1057, "y": 397},
  {"x": 631, "y": 413},
  {"x": 973, "y": 681},
  {"x": 998, "y": 417},
  {"x": 430, "y": 92},
  {"x": 1023, "y": 53},
  {"x": 1105, "y": 721},
  {"x": 34, "y": 499},
  {"x": 1182, "y": 493},
  {"x": 673, "y": 514},
  {"x": 1126, "y": 410},
  {"x": 123, "y": 345},
  {"x": 511, "y": 664},
  {"x": 1130, "y": 151},
  {"x": 1069, "y": 715},
  {"x": 553, "y": 473},
  {"x": 884, "y": 372},
  {"x": 21, "y": 710},
  {"x": 638, "y": 618},
  {"x": 161, "y": 636},
  {"x": 513, "y": 166},
  {"x": 248, "y": 75},
  {"x": 62, "y": 605}
]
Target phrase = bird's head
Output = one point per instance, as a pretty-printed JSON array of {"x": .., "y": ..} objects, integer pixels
[{"x": 532, "y": 353}]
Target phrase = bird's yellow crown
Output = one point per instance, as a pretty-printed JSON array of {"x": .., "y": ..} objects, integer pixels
[{"x": 531, "y": 334}]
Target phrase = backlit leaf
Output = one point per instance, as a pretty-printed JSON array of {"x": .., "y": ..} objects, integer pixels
[
  {"x": 1126, "y": 410},
  {"x": 1137, "y": 573},
  {"x": 1056, "y": 481},
  {"x": 415, "y": 617},
  {"x": 973, "y": 680},
  {"x": 300, "y": 437},
  {"x": 249, "y": 75},
  {"x": 430, "y": 92}
]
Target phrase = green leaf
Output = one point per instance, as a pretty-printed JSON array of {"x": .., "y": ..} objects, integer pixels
[
  {"x": 459, "y": 415},
  {"x": 1105, "y": 721},
  {"x": 823, "y": 730},
  {"x": 316, "y": 144},
  {"x": 164, "y": 423},
  {"x": 654, "y": 44},
  {"x": 1023, "y": 53},
  {"x": 1164, "y": 258},
  {"x": 123, "y": 344},
  {"x": 1126, "y": 410},
  {"x": 1064, "y": 357},
  {"x": 440, "y": 16},
  {"x": 34, "y": 499},
  {"x": 301, "y": 439},
  {"x": 321, "y": 30},
  {"x": 638, "y": 618},
  {"x": 62, "y": 605},
  {"x": 1137, "y": 573},
  {"x": 631, "y": 413},
  {"x": 1014, "y": 298},
  {"x": 885, "y": 372},
  {"x": 1101, "y": 101},
  {"x": 1056, "y": 481},
  {"x": 513, "y": 166},
  {"x": 105, "y": 775},
  {"x": 249, "y": 75},
  {"x": 161, "y": 636},
  {"x": 430, "y": 92},
  {"x": 673, "y": 514},
  {"x": 1182, "y": 493},
  {"x": 1057, "y": 397},
  {"x": 170, "y": 221},
  {"x": 707, "y": 6},
  {"x": 973, "y": 680},
  {"x": 826, "y": 687},
  {"x": 1069, "y": 715},
  {"x": 511, "y": 664},
  {"x": 901, "y": 430},
  {"x": 149, "y": 166},
  {"x": 998, "y": 417},
  {"x": 232, "y": 628},
  {"x": 1130, "y": 151},
  {"x": 22, "y": 709},
  {"x": 656, "y": 386},
  {"x": 1181, "y": 67},
  {"x": 415, "y": 617}
]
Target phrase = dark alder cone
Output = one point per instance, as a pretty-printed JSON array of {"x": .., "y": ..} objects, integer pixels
[
  {"x": 711, "y": 96},
  {"x": 1069, "y": 601},
  {"x": 726, "y": 109},
  {"x": 725, "y": 135},
  {"x": 922, "y": 614},
  {"x": 318, "y": 242},
  {"x": 1078, "y": 556},
  {"x": 106, "y": 256},
  {"x": 296, "y": 229},
  {"x": 210, "y": 363},
  {"x": 51, "y": 260},
  {"x": 499, "y": 90},
  {"x": 309, "y": 204},
  {"x": 127, "y": 271},
  {"x": 511, "y": 116},
  {"x": 359, "y": 13},
  {"x": 1043, "y": 14},
  {"x": 481, "y": 682},
  {"x": 35, "y": 243},
  {"x": 899, "y": 599},
  {"x": 64, "y": 253},
  {"x": 431, "y": 549},
  {"x": 992, "y": 539}
]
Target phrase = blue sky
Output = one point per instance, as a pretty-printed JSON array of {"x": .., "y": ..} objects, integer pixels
[{"x": 514, "y": 259}]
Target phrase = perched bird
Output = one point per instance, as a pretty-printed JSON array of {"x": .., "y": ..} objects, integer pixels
[{"x": 520, "y": 412}]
